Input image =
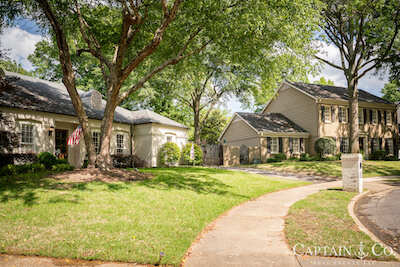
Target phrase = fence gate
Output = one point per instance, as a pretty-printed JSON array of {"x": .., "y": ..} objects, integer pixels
[
  {"x": 244, "y": 155},
  {"x": 212, "y": 154}
]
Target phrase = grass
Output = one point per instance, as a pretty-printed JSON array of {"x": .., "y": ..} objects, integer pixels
[
  {"x": 331, "y": 168},
  {"x": 322, "y": 220},
  {"x": 129, "y": 222}
]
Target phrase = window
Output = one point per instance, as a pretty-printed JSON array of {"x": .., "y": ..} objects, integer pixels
[
  {"x": 389, "y": 117},
  {"x": 374, "y": 117},
  {"x": 345, "y": 144},
  {"x": 274, "y": 145},
  {"x": 120, "y": 144},
  {"x": 375, "y": 144},
  {"x": 170, "y": 138},
  {"x": 360, "y": 116},
  {"x": 96, "y": 141},
  {"x": 327, "y": 114},
  {"x": 27, "y": 138},
  {"x": 390, "y": 146},
  {"x": 344, "y": 115},
  {"x": 296, "y": 145}
]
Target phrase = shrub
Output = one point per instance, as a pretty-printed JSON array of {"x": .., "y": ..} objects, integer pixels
[
  {"x": 325, "y": 145},
  {"x": 169, "y": 154},
  {"x": 16, "y": 159},
  {"x": 304, "y": 157},
  {"x": 47, "y": 159},
  {"x": 124, "y": 161},
  {"x": 62, "y": 167},
  {"x": 378, "y": 155},
  {"x": 271, "y": 160},
  {"x": 339, "y": 156},
  {"x": 317, "y": 158},
  {"x": 12, "y": 169},
  {"x": 198, "y": 154},
  {"x": 280, "y": 156},
  {"x": 62, "y": 161},
  {"x": 391, "y": 158},
  {"x": 294, "y": 159}
]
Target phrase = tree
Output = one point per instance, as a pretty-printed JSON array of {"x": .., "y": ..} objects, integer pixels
[
  {"x": 391, "y": 91},
  {"x": 323, "y": 81},
  {"x": 12, "y": 65},
  {"x": 136, "y": 40},
  {"x": 365, "y": 33},
  {"x": 214, "y": 126}
]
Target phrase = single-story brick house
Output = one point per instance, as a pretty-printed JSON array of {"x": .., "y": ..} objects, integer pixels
[{"x": 42, "y": 114}]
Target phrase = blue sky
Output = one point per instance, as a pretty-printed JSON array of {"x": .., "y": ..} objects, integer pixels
[{"x": 22, "y": 38}]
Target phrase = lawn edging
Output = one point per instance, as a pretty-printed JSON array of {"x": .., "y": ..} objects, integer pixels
[{"x": 361, "y": 226}]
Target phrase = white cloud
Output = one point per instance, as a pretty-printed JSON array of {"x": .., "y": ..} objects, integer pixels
[
  {"x": 21, "y": 43},
  {"x": 370, "y": 82}
]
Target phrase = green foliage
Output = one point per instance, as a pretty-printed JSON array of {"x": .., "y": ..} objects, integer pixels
[
  {"x": 280, "y": 156},
  {"x": 339, "y": 156},
  {"x": 304, "y": 157},
  {"x": 169, "y": 154},
  {"x": 214, "y": 125},
  {"x": 323, "y": 81},
  {"x": 293, "y": 159},
  {"x": 391, "y": 91},
  {"x": 198, "y": 154},
  {"x": 62, "y": 167},
  {"x": 62, "y": 161},
  {"x": 378, "y": 155},
  {"x": 12, "y": 169},
  {"x": 47, "y": 159},
  {"x": 325, "y": 145},
  {"x": 13, "y": 66},
  {"x": 271, "y": 160}
]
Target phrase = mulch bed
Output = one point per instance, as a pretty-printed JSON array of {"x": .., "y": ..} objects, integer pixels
[{"x": 89, "y": 175}]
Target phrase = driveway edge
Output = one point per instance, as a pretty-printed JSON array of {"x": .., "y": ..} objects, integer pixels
[{"x": 350, "y": 208}]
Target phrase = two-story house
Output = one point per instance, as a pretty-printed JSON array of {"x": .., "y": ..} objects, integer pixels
[{"x": 300, "y": 113}]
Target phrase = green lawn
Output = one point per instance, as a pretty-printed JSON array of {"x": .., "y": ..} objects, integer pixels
[
  {"x": 332, "y": 168},
  {"x": 322, "y": 220},
  {"x": 123, "y": 221}
]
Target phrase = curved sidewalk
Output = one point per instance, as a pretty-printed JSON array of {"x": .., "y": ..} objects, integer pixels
[{"x": 253, "y": 234}]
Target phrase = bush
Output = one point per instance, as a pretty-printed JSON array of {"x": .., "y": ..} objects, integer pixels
[
  {"x": 325, "y": 145},
  {"x": 339, "y": 156},
  {"x": 304, "y": 157},
  {"x": 272, "y": 160},
  {"x": 16, "y": 159},
  {"x": 294, "y": 159},
  {"x": 47, "y": 159},
  {"x": 12, "y": 169},
  {"x": 124, "y": 161},
  {"x": 391, "y": 158},
  {"x": 62, "y": 167},
  {"x": 318, "y": 158},
  {"x": 198, "y": 154},
  {"x": 280, "y": 156},
  {"x": 62, "y": 161},
  {"x": 378, "y": 155},
  {"x": 169, "y": 154}
]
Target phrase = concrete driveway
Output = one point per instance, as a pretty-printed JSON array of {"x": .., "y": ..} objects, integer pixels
[{"x": 380, "y": 212}]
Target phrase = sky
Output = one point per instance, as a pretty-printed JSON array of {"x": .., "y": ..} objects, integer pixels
[{"x": 22, "y": 38}]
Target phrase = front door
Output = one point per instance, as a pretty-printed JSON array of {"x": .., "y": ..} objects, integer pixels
[{"x": 61, "y": 144}]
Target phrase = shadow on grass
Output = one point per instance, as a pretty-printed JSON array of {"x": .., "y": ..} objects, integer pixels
[
  {"x": 198, "y": 180},
  {"x": 381, "y": 170},
  {"x": 24, "y": 187}
]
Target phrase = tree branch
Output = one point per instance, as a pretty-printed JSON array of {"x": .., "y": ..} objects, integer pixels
[{"x": 329, "y": 63}]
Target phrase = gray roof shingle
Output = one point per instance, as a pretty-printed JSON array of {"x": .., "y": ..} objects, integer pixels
[
  {"x": 31, "y": 93},
  {"x": 271, "y": 123},
  {"x": 336, "y": 92}
]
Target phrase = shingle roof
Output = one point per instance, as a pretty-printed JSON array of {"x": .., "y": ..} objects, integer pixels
[
  {"x": 337, "y": 93},
  {"x": 271, "y": 123},
  {"x": 31, "y": 93},
  {"x": 148, "y": 116}
]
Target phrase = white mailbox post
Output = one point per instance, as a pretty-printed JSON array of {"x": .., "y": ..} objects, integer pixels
[{"x": 352, "y": 173}]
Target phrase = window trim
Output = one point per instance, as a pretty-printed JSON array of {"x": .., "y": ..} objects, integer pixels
[
  {"x": 96, "y": 148},
  {"x": 346, "y": 142},
  {"x": 375, "y": 141},
  {"x": 272, "y": 145},
  {"x": 123, "y": 148},
  {"x": 389, "y": 118},
  {"x": 344, "y": 111},
  {"x": 172, "y": 135},
  {"x": 375, "y": 112},
  {"x": 327, "y": 112},
  {"x": 298, "y": 145},
  {"x": 26, "y": 144},
  {"x": 390, "y": 146},
  {"x": 360, "y": 111}
]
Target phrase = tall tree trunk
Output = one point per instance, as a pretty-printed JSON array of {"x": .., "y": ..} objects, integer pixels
[
  {"x": 353, "y": 114},
  {"x": 69, "y": 78},
  {"x": 197, "y": 129}
]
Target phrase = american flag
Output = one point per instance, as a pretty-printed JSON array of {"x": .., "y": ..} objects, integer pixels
[{"x": 75, "y": 136}]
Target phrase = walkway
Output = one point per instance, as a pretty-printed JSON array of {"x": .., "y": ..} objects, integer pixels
[
  {"x": 253, "y": 235},
  {"x": 291, "y": 176}
]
